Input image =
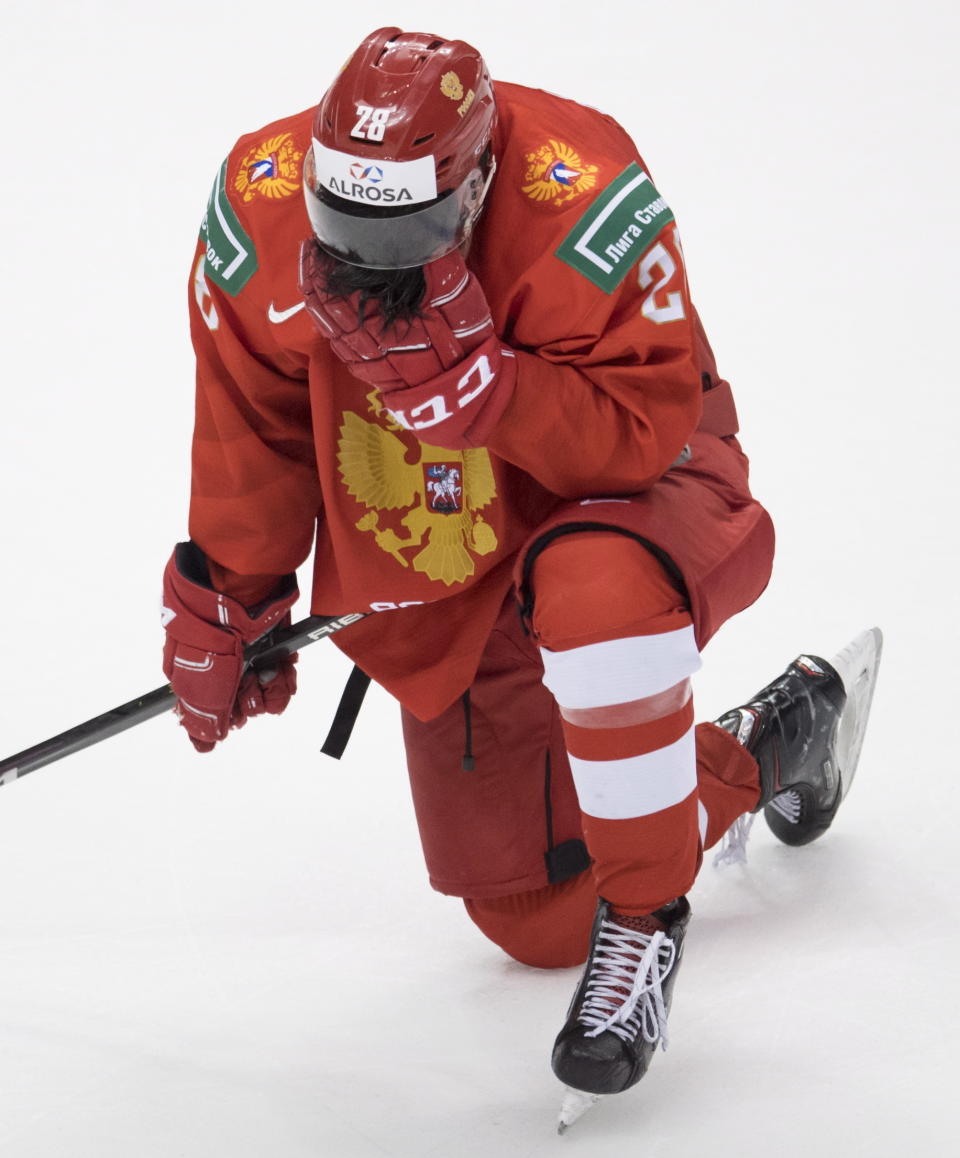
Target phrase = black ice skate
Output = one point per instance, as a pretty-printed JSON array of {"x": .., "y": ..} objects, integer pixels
[
  {"x": 805, "y": 730},
  {"x": 618, "y": 1015}
]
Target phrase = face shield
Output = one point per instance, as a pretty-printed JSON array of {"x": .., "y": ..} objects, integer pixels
[{"x": 387, "y": 214}]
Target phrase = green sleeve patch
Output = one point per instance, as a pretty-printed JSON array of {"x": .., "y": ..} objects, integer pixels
[
  {"x": 231, "y": 258},
  {"x": 616, "y": 229}
]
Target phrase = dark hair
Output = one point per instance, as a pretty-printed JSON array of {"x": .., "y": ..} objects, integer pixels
[{"x": 398, "y": 293}]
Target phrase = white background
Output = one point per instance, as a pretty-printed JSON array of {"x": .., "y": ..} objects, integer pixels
[{"x": 239, "y": 955}]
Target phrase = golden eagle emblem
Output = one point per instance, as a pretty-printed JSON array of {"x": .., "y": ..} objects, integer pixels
[
  {"x": 442, "y": 493},
  {"x": 451, "y": 86},
  {"x": 556, "y": 173},
  {"x": 270, "y": 169}
]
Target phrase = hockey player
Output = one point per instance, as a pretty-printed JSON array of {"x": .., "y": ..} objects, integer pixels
[{"x": 443, "y": 330}]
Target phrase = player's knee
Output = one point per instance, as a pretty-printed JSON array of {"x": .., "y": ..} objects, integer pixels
[
  {"x": 593, "y": 585},
  {"x": 546, "y": 928}
]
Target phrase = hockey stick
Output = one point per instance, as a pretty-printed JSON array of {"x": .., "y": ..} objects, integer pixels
[{"x": 262, "y": 654}]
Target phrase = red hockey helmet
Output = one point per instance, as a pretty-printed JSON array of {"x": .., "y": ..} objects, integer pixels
[{"x": 401, "y": 157}]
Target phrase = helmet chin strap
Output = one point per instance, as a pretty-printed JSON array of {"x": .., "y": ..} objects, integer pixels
[
  {"x": 464, "y": 246},
  {"x": 486, "y": 184}
]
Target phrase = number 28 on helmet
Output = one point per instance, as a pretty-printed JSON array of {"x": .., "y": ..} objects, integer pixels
[{"x": 402, "y": 154}]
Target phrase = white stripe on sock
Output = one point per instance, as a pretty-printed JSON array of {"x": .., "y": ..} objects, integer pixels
[
  {"x": 638, "y": 785},
  {"x": 620, "y": 670}
]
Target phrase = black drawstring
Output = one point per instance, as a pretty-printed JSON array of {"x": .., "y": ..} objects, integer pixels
[
  {"x": 548, "y": 802},
  {"x": 466, "y": 762}
]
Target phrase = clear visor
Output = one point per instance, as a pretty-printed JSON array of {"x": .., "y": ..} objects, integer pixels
[{"x": 378, "y": 237}]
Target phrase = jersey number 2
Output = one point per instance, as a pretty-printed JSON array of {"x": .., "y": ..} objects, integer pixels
[{"x": 670, "y": 308}]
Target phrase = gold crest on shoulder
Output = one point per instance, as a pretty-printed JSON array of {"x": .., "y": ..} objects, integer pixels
[
  {"x": 270, "y": 170},
  {"x": 556, "y": 173}
]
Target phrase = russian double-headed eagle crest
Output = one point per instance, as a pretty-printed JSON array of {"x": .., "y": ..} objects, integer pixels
[
  {"x": 442, "y": 493},
  {"x": 271, "y": 169},
  {"x": 556, "y": 173},
  {"x": 451, "y": 87}
]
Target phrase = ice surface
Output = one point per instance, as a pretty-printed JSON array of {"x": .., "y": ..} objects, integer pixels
[{"x": 238, "y": 955}]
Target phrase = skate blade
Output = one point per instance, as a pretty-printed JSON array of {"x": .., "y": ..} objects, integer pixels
[
  {"x": 575, "y": 1105},
  {"x": 857, "y": 665}
]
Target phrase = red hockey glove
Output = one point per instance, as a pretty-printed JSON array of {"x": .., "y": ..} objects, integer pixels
[
  {"x": 203, "y": 654},
  {"x": 444, "y": 375}
]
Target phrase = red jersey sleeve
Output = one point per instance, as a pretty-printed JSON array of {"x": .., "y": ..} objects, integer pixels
[
  {"x": 255, "y": 494},
  {"x": 610, "y": 350},
  {"x": 608, "y": 411}
]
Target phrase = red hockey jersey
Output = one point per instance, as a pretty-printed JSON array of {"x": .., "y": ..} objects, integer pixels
[{"x": 579, "y": 257}]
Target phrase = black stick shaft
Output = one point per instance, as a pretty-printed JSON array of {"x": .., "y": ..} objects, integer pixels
[{"x": 262, "y": 654}]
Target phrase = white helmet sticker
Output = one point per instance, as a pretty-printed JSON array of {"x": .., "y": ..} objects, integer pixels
[{"x": 375, "y": 182}]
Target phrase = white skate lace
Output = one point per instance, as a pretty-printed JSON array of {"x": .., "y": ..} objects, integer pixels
[
  {"x": 733, "y": 847},
  {"x": 616, "y": 969}
]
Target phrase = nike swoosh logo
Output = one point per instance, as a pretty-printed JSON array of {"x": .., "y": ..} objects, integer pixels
[{"x": 278, "y": 316}]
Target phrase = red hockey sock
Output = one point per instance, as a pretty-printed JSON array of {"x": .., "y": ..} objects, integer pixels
[
  {"x": 644, "y": 860},
  {"x": 618, "y": 648}
]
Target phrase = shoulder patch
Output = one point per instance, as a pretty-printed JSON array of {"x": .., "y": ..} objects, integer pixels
[
  {"x": 556, "y": 173},
  {"x": 270, "y": 170},
  {"x": 616, "y": 229},
  {"x": 231, "y": 257}
]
